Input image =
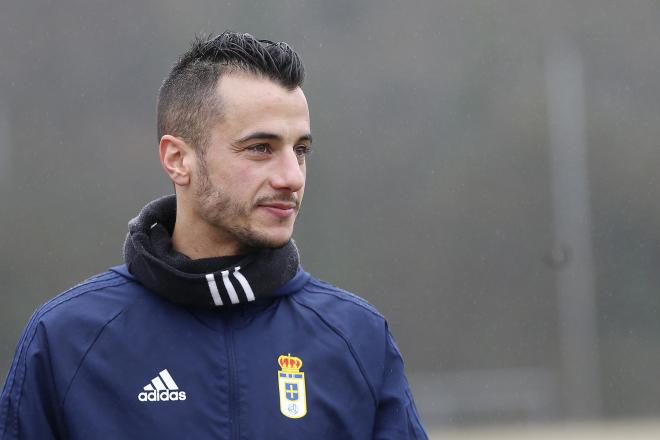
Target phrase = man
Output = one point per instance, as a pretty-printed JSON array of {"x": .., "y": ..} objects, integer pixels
[{"x": 211, "y": 329}]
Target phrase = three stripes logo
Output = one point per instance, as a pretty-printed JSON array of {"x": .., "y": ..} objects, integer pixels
[
  {"x": 161, "y": 389},
  {"x": 229, "y": 291}
]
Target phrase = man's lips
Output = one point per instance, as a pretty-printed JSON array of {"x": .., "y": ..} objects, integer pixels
[
  {"x": 279, "y": 205},
  {"x": 279, "y": 209}
]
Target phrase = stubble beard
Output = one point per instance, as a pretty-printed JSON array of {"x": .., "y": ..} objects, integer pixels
[{"x": 218, "y": 209}]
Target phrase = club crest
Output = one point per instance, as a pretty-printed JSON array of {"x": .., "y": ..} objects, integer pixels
[{"x": 291, "y": 381}]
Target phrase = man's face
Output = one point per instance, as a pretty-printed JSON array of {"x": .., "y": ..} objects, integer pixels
[{"x": 250, "y": 182}]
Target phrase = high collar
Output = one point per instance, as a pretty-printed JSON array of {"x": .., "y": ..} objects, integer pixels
[{"x": 210, "y": 283}]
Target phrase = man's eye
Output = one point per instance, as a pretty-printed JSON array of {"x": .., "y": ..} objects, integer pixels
[
  {"x": 302, "y": 150},
  {"x": 259, "y": 148}
]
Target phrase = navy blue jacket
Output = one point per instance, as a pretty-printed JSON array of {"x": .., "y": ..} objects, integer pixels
[{"x": 109, "y": 359}]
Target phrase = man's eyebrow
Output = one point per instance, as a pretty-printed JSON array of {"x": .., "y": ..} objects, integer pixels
[
  {"x": 307, "y": 137},
  {"x": 272, "y": 136}
]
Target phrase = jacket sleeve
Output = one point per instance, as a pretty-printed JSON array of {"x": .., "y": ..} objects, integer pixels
[
  {"x": 28, "y": 404},
  {"x": 396, "y": 417}
]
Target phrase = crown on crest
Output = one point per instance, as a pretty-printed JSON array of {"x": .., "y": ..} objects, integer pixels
[{"x": 289, "y": 363}]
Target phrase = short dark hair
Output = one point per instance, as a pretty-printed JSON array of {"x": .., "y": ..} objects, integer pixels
[{"x": 187, "y": 102}]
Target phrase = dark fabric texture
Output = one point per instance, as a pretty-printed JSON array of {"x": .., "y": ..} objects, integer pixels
[{"x": 150, "y": 257}]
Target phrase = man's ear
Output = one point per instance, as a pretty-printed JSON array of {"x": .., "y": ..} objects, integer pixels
[{"x": 176, "y": 157}]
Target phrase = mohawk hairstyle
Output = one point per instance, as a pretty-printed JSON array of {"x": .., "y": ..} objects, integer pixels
[{"x": 187, "y": 102}]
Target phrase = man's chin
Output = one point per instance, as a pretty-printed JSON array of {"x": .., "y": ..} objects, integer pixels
[
  {"x": 263, "y": 241},
  {"x": 281, "y": 245}
]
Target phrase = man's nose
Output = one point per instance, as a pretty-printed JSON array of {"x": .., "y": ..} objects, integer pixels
[{"x": 289, "y": 173}]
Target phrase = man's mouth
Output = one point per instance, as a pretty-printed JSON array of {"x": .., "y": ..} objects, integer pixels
[{"x": 280, "y": 209}]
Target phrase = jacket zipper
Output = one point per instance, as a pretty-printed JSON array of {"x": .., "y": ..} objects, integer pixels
[{"x": 233, "y": 392}]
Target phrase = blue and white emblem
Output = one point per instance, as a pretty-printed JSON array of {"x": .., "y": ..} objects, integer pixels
[{"x": 291, "y": 381}]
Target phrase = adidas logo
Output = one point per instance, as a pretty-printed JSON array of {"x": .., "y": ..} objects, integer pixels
[{"x": 161, "y": 389}]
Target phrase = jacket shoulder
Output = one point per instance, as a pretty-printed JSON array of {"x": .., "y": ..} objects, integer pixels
[
  {"x": 369, "y": 341},
  {"x": 328, "y": 298},
  {"x": 362, "y": 328},
  {"x": 70, "y": 323},
  {"x": 94, "y": 300},
  {"x": 55, "y": 341},
  {"x": 63, "y": 330}
]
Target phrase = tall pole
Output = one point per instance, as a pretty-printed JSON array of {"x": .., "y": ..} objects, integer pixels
[{"x": 578, "y": 330}]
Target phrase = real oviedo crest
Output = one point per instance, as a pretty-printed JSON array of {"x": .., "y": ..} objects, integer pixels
[{"x": 291, "y": 381}]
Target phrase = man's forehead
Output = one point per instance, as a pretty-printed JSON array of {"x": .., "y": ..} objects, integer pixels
[
  {"x": 239, "y": 86},
  {"x": 250, "y": 103}
]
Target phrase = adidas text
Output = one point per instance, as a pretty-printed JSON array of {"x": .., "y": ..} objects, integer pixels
[{"x": 162, "y": 396}]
